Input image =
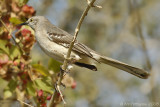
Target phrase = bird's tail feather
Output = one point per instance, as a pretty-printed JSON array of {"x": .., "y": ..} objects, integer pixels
[{"x": 128, "y": 68}]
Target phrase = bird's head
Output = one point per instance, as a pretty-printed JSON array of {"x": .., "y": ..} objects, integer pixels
[{"x": 34, "y": 21}]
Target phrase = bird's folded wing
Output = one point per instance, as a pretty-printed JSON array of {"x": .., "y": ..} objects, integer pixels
[{"x": 64, "y": 39}]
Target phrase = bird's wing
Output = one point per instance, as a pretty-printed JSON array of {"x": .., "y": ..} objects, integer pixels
[{"x": 63, "y": 38}]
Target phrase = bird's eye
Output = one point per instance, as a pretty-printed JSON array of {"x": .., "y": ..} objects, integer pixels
[{"x": 31, "y": 20}]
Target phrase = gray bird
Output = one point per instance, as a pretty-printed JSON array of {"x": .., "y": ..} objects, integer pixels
[{"x": 55, "y": 43}]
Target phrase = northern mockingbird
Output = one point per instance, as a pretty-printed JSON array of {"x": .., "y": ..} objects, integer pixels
[{"x": 55, "y": 43}]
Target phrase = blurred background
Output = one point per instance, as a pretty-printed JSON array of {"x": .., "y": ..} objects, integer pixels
[{"x": 126, "y": 30}]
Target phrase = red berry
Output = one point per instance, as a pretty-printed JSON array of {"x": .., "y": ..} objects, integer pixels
[
  {"x": 15, "y": 63},
  {"x": 74, "y": 84},
  {"x": 58, "y": 94},
  {"x": 20, "y": 73},
  {"x": 28, "y": 9},
  {"x": 27, "y": 38},
  {"x": 24, "y": 82},
  {"x": 49, "y": 97},
  {"x": 40, "y": 93},
  {"x": 43, "y": 105},
  {"x": 9, "y": 37},
  {"x": 25, "y": 32}
]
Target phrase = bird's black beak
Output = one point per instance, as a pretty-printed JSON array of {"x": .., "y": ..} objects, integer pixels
[{"x": 25, "y": 23}]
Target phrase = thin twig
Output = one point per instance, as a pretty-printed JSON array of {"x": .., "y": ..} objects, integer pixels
[
  {"x": 134, "y": 8},
  {"x": 144, "y": 47},
  {"x": 12, "y": 36},
  {"x": 25, "y": 103},
  {"x": 65, "y": 63},
  {"x": 143, "y": 42},
  {"x": 61, "y": 95}
]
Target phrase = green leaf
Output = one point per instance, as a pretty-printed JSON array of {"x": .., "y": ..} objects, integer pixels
[
  {"x": 12, "y": 85},
  {"x": 14, "y": 52},
  {"x": 42, "y": 84},
  {"x": 7, "y": 94},
  {"x": 30, "y": 89},
  {"x": 54, "y": 65},
  {"x": 3, "y": 47},
  {"x": 15, "y": 20},
  {"x": 22, "y": 2},
  {"x": 1, "y": 30},
  {"x": 41, "y": 69},
  {"x": 3, "y": 83},
  {"x": 8, "y": 91}
]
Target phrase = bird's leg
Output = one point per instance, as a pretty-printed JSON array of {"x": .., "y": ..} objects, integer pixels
[
  {"x": 61, "y": 69},
  {"x": 71, "y": 61},
  {"x": 65, "y": 71}
]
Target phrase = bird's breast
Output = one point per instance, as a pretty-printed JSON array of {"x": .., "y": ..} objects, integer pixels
[{"x": 52, "y": 49}]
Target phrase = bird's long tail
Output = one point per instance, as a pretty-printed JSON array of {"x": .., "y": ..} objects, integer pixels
[{"x": 128, "y": 68}]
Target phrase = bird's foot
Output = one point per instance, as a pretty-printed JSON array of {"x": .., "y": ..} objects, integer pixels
[
  {"x": 61, "y": 69},
  {"x": 67, "y": 71},
  {"x": 72, "y": 59}
]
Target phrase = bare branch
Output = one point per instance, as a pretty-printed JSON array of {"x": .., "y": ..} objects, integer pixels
[
  {"x": 61, "y": 95},
  {"x": 144, "y": 47},
  {"x": 25, "y": 103},
  {"x": 143, "y": 42}
]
